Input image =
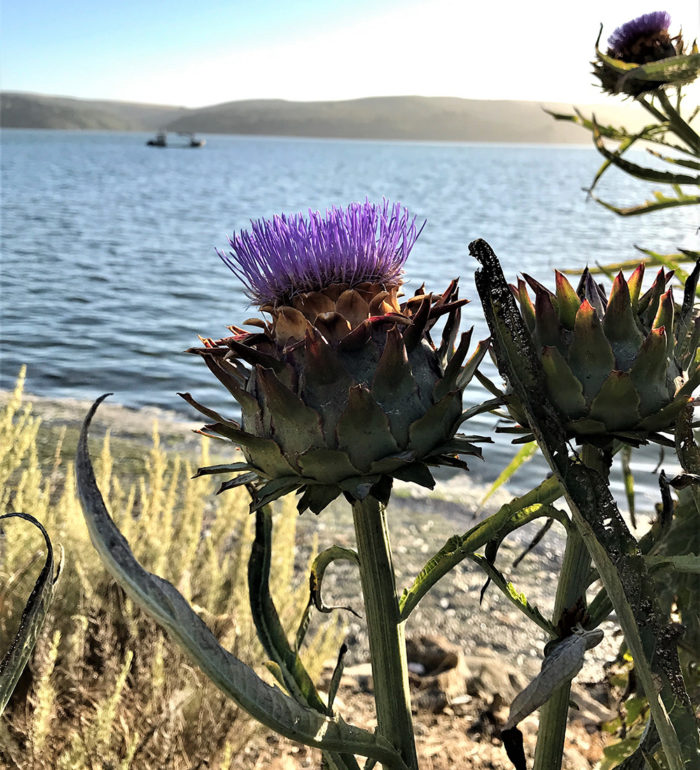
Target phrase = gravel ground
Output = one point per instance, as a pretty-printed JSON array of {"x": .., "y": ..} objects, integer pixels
[{"x": 419, "y": 524}]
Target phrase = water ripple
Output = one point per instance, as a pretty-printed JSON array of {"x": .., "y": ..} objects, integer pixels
[{"x": 108, "y": 247}]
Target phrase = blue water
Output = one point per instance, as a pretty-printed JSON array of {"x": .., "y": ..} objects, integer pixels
[{"x": 108, "y": 263}]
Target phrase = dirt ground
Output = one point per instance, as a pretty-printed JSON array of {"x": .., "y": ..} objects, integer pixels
[{"x": 463, "y": 735}]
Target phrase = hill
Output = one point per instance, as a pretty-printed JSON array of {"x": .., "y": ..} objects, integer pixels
[
  {"x": 20, "y": 110},
  {"x": 396, "y": 117},
  {"x": 393, "y": 117}
]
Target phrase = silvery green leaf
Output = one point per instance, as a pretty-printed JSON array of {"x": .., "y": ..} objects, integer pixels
[
  {"x": 559, "y": 667},
  {"x": 516, "y": 513},
  {"x": 166, "y": 605}
]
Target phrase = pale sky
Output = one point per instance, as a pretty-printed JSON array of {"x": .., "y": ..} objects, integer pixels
[{"x": 203, "y": 52}]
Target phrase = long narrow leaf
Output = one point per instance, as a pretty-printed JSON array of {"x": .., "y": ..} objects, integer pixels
[
  {"x": 318, "y": 569},
  {"x": 628, "y": 479},
  {"x": 15, "y": 658},
  {"x": 163, "y": 602},
  {"x": 267, "y": 623},
  {"x": 689, "y": 562},
  {"x": 661, "y": 202},
  {"x": 458, "y": 548},
  {"x": 686, "y": 163},
  {"x": 653, "y": 258},
  {"x": 536, "y": 540},
  {"x": 517, "y": 598},
  {"x": 336, "y": 677},
  {"x": 624, "y": 145},
  {"x": 524, "y": 454},
  {"x": 641, "y": 172},
  {"x": 610, "y": 132},
  {"x": 271, "y": 633}
]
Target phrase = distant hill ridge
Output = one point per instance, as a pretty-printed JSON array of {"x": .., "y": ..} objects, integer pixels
[{"x": 389, "y": 117}]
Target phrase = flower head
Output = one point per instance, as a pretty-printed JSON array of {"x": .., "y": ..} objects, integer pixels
[
  {"x": 342, "y": 388},
  {"x": 288, "y": 255},
  {"x": 643, "y": 39},
  {"x": 643, "y": 57}
]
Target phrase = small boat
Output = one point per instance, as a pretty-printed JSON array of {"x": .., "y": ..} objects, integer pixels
[
  {"x": 194, "y": 142},
  {"x": 161, "y": 140}
]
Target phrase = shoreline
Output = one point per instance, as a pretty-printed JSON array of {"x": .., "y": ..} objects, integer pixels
[
  {"x": 124, "y": 422},
  {"x": 453, "y": 490},
  {"x": 420, "y": 522}
]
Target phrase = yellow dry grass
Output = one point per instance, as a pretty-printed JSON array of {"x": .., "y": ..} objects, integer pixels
[{"x": 105, "y": 687}]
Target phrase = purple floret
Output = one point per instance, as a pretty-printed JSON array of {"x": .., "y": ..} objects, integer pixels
[
  {"x": 290, "y": 254},
  {"x": 642, "y": 26}
]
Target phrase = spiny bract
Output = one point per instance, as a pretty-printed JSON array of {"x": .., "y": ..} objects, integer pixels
[
  {"x": 642, "y": 56},
  {"x": 619, "y": 366},
  {"x": 342, "y": 390}
]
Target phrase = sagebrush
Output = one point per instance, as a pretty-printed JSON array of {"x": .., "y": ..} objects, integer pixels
[{"x": 106, "y": 688}]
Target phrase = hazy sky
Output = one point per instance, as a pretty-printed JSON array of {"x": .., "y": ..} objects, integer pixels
[{"x": 204, "y": 52}]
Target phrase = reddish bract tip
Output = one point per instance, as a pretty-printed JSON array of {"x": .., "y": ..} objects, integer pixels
[{"x": 619, "y": 289}]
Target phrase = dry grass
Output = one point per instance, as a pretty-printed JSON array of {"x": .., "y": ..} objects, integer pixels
[{"x": 105, "y": 687}]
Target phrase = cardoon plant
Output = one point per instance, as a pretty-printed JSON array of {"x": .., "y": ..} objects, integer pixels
[
  {"x": 621, "y": 366},
  {"x": 651, "y": 64},
  {"x": 344, "y": 391},
  {"x": 341, "y": 389},
  {"x": 602, "y": 372},
  {"x": 646, "y": 62},
  {"x": 642, "y": 41}
]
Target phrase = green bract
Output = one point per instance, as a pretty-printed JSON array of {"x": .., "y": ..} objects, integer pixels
[
  {"x": 643, "y": 57},
  {"x": 342, "y": 391},
  {"x": 617, "y": 367}
]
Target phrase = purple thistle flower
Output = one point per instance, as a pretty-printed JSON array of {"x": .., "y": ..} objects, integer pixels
[
  {"x": 641, "y": 34},
  {"x": 291, "y": 254}
]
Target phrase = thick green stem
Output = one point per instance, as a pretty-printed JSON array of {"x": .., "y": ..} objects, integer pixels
[
  {"x": 651, "y": 109},
  {"x": 572, "y": 585},
  {"x": 681, "y": 129},
  {"x": 386, "y": 632}
]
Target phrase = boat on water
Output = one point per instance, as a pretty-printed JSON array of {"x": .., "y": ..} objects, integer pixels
[{"x": 161, "y": 140}]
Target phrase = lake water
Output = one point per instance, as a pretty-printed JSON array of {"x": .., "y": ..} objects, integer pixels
[{"x": 108, "y": 263}]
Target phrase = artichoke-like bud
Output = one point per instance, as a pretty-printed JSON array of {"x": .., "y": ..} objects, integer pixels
[
  {"x": 341, "y": 389},
  {"x": 642, "y": 56},
  {"x": 621, "y": 366}
]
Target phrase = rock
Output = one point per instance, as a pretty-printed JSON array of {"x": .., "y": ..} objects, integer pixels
[
  {"x": 437, "y": 671},
  {"x": 358, "y": 677},
  {"x": 490, "y": 676},
  {"x": 574, "y": 760},
  {"x": 434, "y": 653},
  {"x": 434, "y": 699},
  {"x": 590, "y": 712},
  {"x": 284, "y": 763}
]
